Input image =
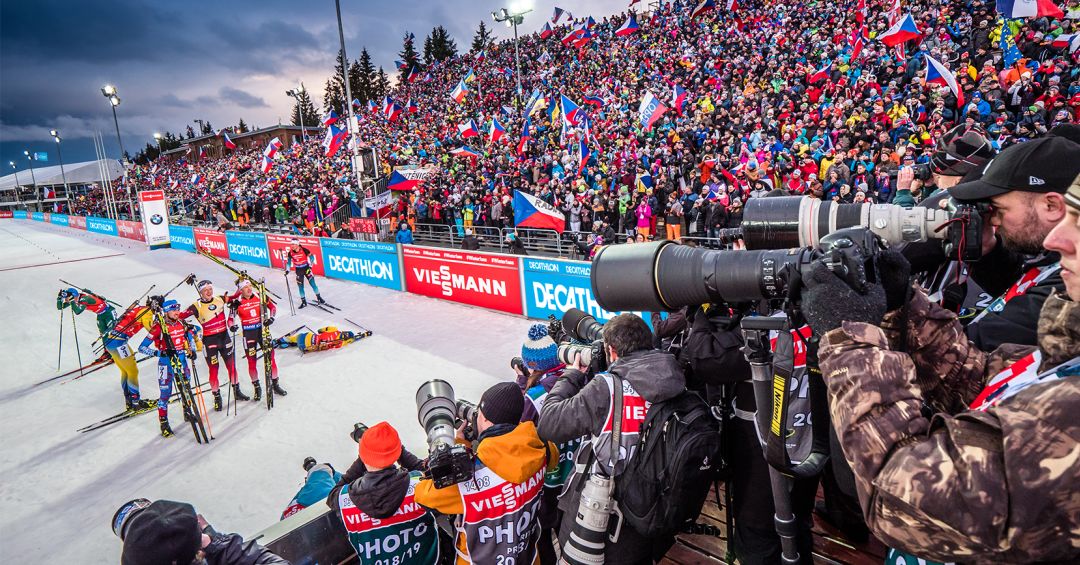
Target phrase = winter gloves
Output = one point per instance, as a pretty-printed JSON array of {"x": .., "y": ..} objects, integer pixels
[{"x": 828, "y": 301}]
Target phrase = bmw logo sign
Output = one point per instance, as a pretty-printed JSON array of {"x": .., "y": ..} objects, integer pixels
[{"x": 156, "y": 219}]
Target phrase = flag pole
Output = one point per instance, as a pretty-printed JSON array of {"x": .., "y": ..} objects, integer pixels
[{"x": 348, "y": 103}]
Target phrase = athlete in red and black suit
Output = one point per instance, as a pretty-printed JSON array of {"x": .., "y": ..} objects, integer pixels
[
  {"x": 249, "y": 306},
  {"x": 296, "y": 257},
  {"x": 209, "y": 310}
]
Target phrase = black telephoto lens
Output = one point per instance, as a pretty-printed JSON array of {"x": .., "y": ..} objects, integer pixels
[{"x": 581, "y": 326}]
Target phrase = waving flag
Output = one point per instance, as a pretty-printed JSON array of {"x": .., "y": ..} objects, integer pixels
[
  {"x": 860, "y": 12},
  {"x": 332, "y": 141},
  {"x": 546, "y": 31},
  {"x": 594, "y": 101},
  {"x": 398, "y": 181},
  {"x": 401, "y": 65},
  {"x": 545, "y": 57},
  {"x": 574, "y": 34},
  {"x": 202, "y": 152},
  {"x": 196, "y": 179},
  {"x": 225, "y": 139},
  {"x": 731, "y": 5},
  {"x": 525, "y": 136},
  {"x": 820, "y": 74},
  {"x": 387, "y": 104},
  {"x": 558, "y": 14},
  {"x": 465, "y": 151},
  {"x": 531, "y": 212},
  {"x": 583, "y": 156},
  {"x": 583, "y": 39},
  {"x": 470, "y": 76},
  {"x": 936, "y": 73},
  {"x": 371, "y": 105},
  {"x": 393, "y": 111},
  {"x": 1028, "y": 9},
  {"x": 330, "y": 119},
  {"x": 496, "y": 132},
  {"x": 233, "y": 178},
  {"x": 459, "y": 92},
  {"x": 901, "y": 31},
  {"x": 467, "y": 129},
  {"x": 650, "y": 110},
  {"x": 590, "y": 22},
  {"x": 629, "y": 27},
  {"x": 858, "y": 44},
  {"x": 414, "y": 73},
  {"x": 411, "y": 107},
  {"x": 570, "y": 111},
  {"x": 356, "y": 104},
  {"x": 702, "y": 7},
  {"x": 678, "y": 98},
  {"x": 1010, "y": 53},
  {"x": 481, "y": 56},
  {"x": 1070, "y": 40}
]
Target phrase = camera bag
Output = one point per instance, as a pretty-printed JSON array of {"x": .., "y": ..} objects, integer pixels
[{"x": 713, "y": 352}]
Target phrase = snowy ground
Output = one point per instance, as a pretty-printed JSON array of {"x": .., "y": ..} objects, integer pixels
[{"x": 59, "y": 489}]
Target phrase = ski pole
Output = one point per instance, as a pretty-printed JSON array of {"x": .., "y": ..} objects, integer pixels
[
  {"x": 75, "y": 330},
  {"x": 60, "y": 344},
  {"x": 88, "y": 291},
  {"x": 204, "y": 416},
  {"x": 288, "y": 287}
]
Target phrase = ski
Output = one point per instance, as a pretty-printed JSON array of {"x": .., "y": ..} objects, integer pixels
[
  {"x": 190, "y": 279},
  {"x": 86, "y": 369},
  {"x": 180, "y": 379},
  {"x": 322, "y": 307},
  {"x": 125, "y": 415},
  {"x": 100, "y": 366},
  {"x": 235, "y": 271},
  {"x": 326, "y": 304}
]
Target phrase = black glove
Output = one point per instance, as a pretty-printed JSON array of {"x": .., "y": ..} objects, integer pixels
[
  {"x": 894, "y": 270},
  {"x": 233, "y": 328},
  {"x": 190, "y": 280},
  {"x": 155, "y": 301},
  {"x": 828, "y": 301},
  {"x": 234, "y": 303},
  {"x": 270, "y": 321}
]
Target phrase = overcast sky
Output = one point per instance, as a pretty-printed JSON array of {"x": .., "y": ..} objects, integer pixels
[{"x": 220, "y": 60}]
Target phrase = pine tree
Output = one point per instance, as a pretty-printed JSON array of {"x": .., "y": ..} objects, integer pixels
[
  {"x": 306, "y": 109},
  {"x": 482, "y": 37},
  {"x": 206, "y": 128},
  {"x": 334, "y": 95},
  {"x": 354, "y": 81},
  {"x": 429, "y": 54},
  {"x": 382, "y": 84},
  {"x": 408, "y": 53},
  {"x": 241, "y": 127},
  {"x": 366, "y": 72},
  {"x": 442, "y": 45},
  {"x": 190, "y": 132}
]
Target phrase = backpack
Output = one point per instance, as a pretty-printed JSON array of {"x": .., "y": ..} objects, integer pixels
[{"x": 667, "y": 479}]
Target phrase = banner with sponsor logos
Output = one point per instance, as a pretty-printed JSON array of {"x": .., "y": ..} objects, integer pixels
[
  {"x": 155, "y": 217},
  {"x": 19, "y": 214},
  {"x": 212, "y": 241},
  {"x": 37, "y": 216},
  {"x": 59, "y": 219},
  {"x": 367, "y": 262},
  {"x": 45, "y": 216},
  {"x": 277, "y": 244},
  {"x": 249, "y": 247},
  {"x": 553, "y": 286},
  {"x": 77, "y": 222},
  {"x": 6, "y": 214},
  {"x": 182, "y": 237},
  {"x": 101, "y": 225},
  {"x": 486, "y": 280},
  {"x": 130, "y": 230}
]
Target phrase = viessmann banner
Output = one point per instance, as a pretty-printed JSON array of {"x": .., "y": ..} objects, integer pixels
[
  {"x": 469, "y": 277},
  {"x": 249, "y": 247},
  {"x": 277, "y": 244},
  {"x": 131, "y": 230},
  {"x": 365, "y": 262},
  {"x": 182, "y": 237},
  {"x": 212, "y": 241}
]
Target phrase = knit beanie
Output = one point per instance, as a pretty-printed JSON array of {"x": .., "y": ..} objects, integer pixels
[
  {"x": 164, "y": 532},
  {"x": 502, "y": 404},
  {"x": 539, "y": 351},
  {"x": 380, "y": 446}
]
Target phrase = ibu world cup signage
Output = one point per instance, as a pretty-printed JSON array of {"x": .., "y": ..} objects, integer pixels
[
  {"x": 249, "y": 247},
  {"x": 77, "y": 222},
  {"x": 155, "y": 217},
  {"x": 212, "y": 242},
  {"x": 182, "y": 237},
  {"x": 366, "y": 262},
  {"x": 468, "y": 277}
]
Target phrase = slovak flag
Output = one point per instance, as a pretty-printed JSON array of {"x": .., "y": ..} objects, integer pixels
[
  {"x": 702, "y": 7},
  {"x": 546, "y": 31},
  {"x": 411, "y": 106},
  {"x": 629, "y": 27},
  {"x": 330, "y": 119},
  {"x": 459, "y": 92},
  {"x": 225, "y": 139},
  {"x": 525, "y": 136},
  {"x": 398, "y": 181},
  {"x": 467, "y": 129},
  {"x": 936, "y": 73},
  {"x": 594, "y": 101},
  {"x": 678, "y": 98},
  {"x": 903, "y": 30},
  {"x": 465, "y": 151},
  {"x": 650, "y": 110},
  {"x": 496, "y": 132},
  {"x": 820, "y": 74},
  {"x": 1028, "y": 9},
  {"x": 333, "y": 140},
  {"x": 531, "y": 212}
]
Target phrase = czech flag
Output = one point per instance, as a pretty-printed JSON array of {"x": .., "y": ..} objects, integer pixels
[
  {"x": 936, "y": 73},
  {"x": 1028, "y": 9},
  {"x": 629, "y": 27},
  {"x": 330, "y": 119},
  {"x": 583, "y": 156},
  {"x": 496, "y": 132},
  {"x": 582, "y": 40},
  {"x": 820, "y": 74},
  {"x": 393, "y": 112},
  {"x": 678, "y": 98},
  {"x": 411, "y": 107},
  {"x": 590, "y": 23},
  {"x": 574, "y": 34},
  {"x": 332, "y": 141},
  {"x": 531, "y": 212},
  {"x": 558, "y": 14},
  {"x": 225, "y": 139},
  {"x": 525, "y": 136},
  {"x": 398, "y": 181},
  {"x": 903, "y": 30},
  {"x": 356, "y": 104},
  {"x": 468, "y": 129},
  {"x": 702, "y": 7},
  {"x": 481, "y": 56},
  {"x": 546, "y": 31},
  {"x": 465, "y": 151},
  {"x": 650, "y": 110},
  {"x": 371, "y": 105},
  {"x": 414, "y": 74},
  {"x": 401, "y": 65},
  {"x": 1070, "y": 40},
  {"x": 459, "y": 92}
]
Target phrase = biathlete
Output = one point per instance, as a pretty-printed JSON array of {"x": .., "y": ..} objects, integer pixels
[
  {"x": 325, "y": 338},
  {"x": 179, "y": 337},
  {"x": 248, "y": 304},
  {"x": 296, "y": 258},
  {"x": 114, "y": 336},
  {"x": 209, "y": 310}
]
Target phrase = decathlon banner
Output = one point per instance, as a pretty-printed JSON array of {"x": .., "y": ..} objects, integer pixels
[
  {"x": 367, "y": 262},
  {"x": 212, "y": 241},
  {"x": 101, "y": 225},
  {"x": 278, "y": 245},
  {"x": 552, "y": 287},
  {"x": 77, "y": 222},
  {"x": 59, "y": 219},
  {"x": 130, "y": 230},
  {"x": 45, "y": 216},
  {"x": 37, "y": 216},
  {"x": 486, "y": 280},
  {"x": 19, "y": 214},
  {"x": 155, "y": 217},
  {"x": 249, "y": 247},
  {"x": 182, "y": 237}
]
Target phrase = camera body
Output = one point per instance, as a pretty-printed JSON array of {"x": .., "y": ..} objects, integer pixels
[
  {"x": 963, "y": 236},
  {"x": 448, "y": 462},
  {"x": 593, "y": 355},
  {"x": 466, "y": 413},
  {"x": 923, "y": 171}
]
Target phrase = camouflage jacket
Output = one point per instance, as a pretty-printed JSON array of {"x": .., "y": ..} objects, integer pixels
[{"x": 998, "y": 486}]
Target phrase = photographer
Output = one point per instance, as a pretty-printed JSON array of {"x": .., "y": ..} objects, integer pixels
[
  {"x": 496, "y": 510},
  {"x": 578, "y": 406},
  {"x": 406, "y": 461},
  {"x": 164, "y": 531},
  {"x": 989, "y": 477}
]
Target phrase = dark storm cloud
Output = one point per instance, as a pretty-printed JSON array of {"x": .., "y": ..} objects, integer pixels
[{"x": 241, "y": 98}]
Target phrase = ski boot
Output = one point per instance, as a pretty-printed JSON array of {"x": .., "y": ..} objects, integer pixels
[
  {"x": 239, "y": 395},
  {"x": 137, "y": 405},
  {"x": 303, "y": 302},
  {"x": 166, "y": 431},
  {"x": 258, "y": 391},
  {"x": 319, "y": 298},
  {"x": 274, "y": 386},
  {"x": 217, "y": 400},
  {"x": 189, "y": 416}
]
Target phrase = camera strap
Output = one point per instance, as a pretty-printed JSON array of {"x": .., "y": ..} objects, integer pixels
[
  {"x": 616, "y": 421},
  {"x": 783, "y": 367}
]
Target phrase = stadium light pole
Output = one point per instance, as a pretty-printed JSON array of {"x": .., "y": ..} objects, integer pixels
[
  {"x": 157, "y": 137},
  {"x": 348, "y": 105},
  {"x": 513, "y": 19},
  {"x": 109, "y": 91},
  {"x": 33, "y": 179},
  {"x": 295, "y": 93},
  {"x": 18, "y": 188},
  {"x": 67, "y": 191}
]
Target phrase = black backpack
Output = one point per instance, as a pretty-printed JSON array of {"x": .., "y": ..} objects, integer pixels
[
  {"x": 712, "y": 352},
  {"x": 666, "y": 481}
]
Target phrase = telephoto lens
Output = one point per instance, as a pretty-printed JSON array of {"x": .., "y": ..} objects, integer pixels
[
  {"x": 581, "y": 326},
  {"x": 592, "y": 355},
  {"x": 125, "y": 514},
  {"x": 448, "y": 462},
  {"x": 357, "y": 432},
  {"x": 466, "y": 412},
  {"x": 588, "y": 535}
]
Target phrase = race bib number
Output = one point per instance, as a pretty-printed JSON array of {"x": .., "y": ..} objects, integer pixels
[{"x": 124, "y": 351}]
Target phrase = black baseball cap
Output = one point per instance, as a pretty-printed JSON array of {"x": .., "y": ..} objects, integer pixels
[{"x": 1044, "y": 165}]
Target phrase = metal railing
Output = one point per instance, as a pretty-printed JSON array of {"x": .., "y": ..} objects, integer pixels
[{"x": 542, "y": 241}]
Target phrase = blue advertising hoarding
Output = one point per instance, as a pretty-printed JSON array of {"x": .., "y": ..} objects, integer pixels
[
  {"x": 249, "y": 247},
  {"x": 37, "y": 216},
  {"x": 553, "y": 286},
  {"x": 58, "y": 219},
  {"x": 366, "y": 262},
  {"x": 182, "y": 237},
  {"x": 101, "y": 225},
  {"x": 19, "y": 214}
]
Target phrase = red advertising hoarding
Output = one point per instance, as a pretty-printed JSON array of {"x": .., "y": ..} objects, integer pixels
[
  {"x": 213, "y": 241},
  {"x": 277, "y": 244},
  {"x": 131, "y": 230},
  {"x": 7, "y": 214},
  {"x": 478, "y": 279},
  {"x": 77, "y": 222}
]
